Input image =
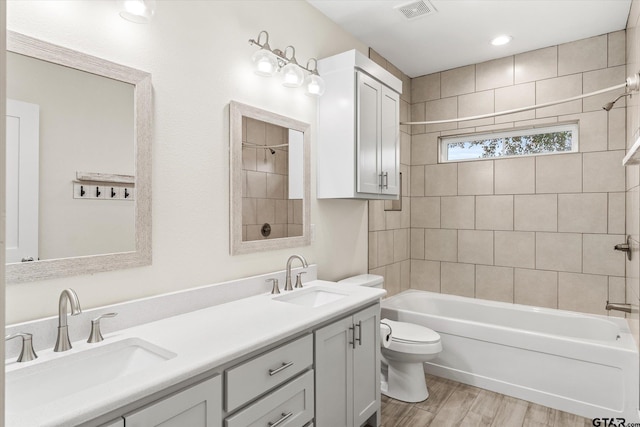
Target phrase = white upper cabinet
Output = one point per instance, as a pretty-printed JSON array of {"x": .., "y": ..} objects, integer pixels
[{"x": 359, "y": 129}]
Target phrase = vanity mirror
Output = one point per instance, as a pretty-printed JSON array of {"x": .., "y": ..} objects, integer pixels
[
  {"x": 78, "y": 163},
  {"x": 269, "y": 180}
]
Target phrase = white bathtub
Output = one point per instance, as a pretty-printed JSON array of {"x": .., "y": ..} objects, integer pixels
[{"x": 578, "y": 363}]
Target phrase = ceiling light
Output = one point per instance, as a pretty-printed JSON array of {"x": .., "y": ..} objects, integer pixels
[
  {"x": 500, "y": 40},
  {"x": 138, "y": 11}
]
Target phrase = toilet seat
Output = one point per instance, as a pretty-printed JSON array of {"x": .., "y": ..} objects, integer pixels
[{"x": 412, "y": 339}]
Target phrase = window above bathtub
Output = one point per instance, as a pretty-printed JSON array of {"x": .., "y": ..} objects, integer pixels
[{"x": 553, "y": 139}]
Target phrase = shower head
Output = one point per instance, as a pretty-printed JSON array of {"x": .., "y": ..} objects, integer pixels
[
  {"x": 272, "y": 151},
  {"x": 609, "y": 105}
]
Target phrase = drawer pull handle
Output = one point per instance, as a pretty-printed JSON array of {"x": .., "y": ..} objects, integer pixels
[
  {"x": 352, "y": 329},
  {"x": 285, "y": 417},
  {"x": 359, "y": 339},
  {"x": 284, "y": 366}
]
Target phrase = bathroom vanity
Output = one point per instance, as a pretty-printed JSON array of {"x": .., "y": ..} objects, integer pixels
[{"x": 247, "y": 362}]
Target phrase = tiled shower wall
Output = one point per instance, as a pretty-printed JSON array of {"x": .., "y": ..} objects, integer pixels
[
  {"x": 532, "y": 230},
  {"x": 389, "y": 230},
  {"x": 632, "y": 173}
]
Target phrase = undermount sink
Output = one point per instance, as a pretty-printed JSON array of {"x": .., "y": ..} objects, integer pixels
[
  {"x": 41, "y": 383},
  {"x": 311, "y": 297}
]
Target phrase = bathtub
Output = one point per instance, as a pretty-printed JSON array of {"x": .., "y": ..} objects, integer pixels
[{"x": 578, "y": 363}]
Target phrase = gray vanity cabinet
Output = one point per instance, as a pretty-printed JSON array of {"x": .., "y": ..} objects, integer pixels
[
  {"x": 347, "y": 360},
  {"x": 197, "y": 406}
]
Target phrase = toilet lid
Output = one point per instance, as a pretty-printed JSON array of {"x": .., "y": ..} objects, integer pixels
[{"x": 411, "y": 333}]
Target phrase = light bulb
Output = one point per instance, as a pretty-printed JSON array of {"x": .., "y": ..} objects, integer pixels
[
  {"x": 314, "y": 85},
  {"x": 138, "y": 11},
  {"x": 292, "y": 75},
  {"x": 265, "y": 63}
]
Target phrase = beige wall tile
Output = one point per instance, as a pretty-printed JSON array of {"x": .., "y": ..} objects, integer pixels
[
  {"x": 256, "y": 185},
  {"x": 494, "y": 74},
  {"x": 405, "y": 215},
  {"x": 515, "y": 176},
  {"x": 632, "y": 217},
  {"x": 617, "y": 129},
  {"x": 405, "y": 116},
  {"x": 616, "y": 48},
  {"x": 458, "y": 212},
  {"x": 599, "y": 256},
  {"x": 405, "y": 148},
  {"x": 417, "y": 183},
  {"x": 401, "y": 245},
  {"x": 475, "y": 178},
  {"x": 275, "y": 186},
  {"x": 266, "y": 211},
  {"x": 282, "y": 211},
  {"x": 425, "y": 88},
  {"x": 373, "y": 249},
  {"x": 385, "y": 247},
  {"x": 458, "y": 279},
  {"x": 425, "y": 275},
  {"x": 249, "y": 211},
  {"x": 406, "y": 89},
  {"x": 256, "y": 131},
  {"x": 557, "y": 89},
  {"x": 616, "y": 211},
  {"x": 536, "y": 65},
  {"x": 441, "y": 109},
  {"x": 475, "y": 104},
  {"x": 512, "y": 97},
  {"x": 536, "y": 287},
  {"x": 424, "y": 149},
  {"x": 417, "y": 243},
  {"x": 494, "y": 283},
  {"x": 604, "y": 171},
  {"x": 392, "y": 279},
  {"x": 494, "y": 212},
  {"x": 616, "y": 293},
  {"x": 376, "y": 215},
  {"x": 585, "y": 293},
  {"x": 515, "y": 249},
  {"x": 536, "y": 212},
  {"x": 425, "y": 212},
  {"x": 417, "y": 115},
  {"x": 582, "y": 55},
  {"x": 561, "y": 173},
  {"x": 249, "y": 159},
  {"x": 458, "y": 81},
  {"x": 377, "y": 58},
  {"x": 582, "y": 213},
  {"x": 441, "y": 244},
  {"x": 393, "y": 219},
  {"x": 601, "y": 79},
  {"x": 475, "y": 247},
  {"x": 559, "y": 252},
  {"x": 278, "y": 231},
  {"x": 441, "y": 180},
  {"x": 405, "y": 275},
  {"x": 593, "y": 130}
]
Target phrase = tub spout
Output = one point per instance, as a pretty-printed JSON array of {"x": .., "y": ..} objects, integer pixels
[{"x": 626, "y": 308}]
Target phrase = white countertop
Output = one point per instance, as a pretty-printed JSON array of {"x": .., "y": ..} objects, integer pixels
[{"x": 202, "y": 340}]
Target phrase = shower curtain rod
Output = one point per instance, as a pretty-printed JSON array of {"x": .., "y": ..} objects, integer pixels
[{"x": 518, "y": 110}]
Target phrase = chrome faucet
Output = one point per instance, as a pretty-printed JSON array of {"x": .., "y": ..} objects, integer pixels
[
  {"x": 63, "y": 343},
  {"x": 287, "y": 284}
]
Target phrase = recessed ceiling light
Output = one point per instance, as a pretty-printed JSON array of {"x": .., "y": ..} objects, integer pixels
[{"x": 500, "y": 40}]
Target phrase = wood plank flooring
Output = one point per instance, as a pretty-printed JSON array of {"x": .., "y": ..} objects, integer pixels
[{"x": 454, "y": 404}]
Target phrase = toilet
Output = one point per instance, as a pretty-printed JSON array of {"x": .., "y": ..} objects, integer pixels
[{"x": 405, "y": 347}]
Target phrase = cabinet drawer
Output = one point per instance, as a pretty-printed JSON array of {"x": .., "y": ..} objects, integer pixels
[
  {"x": 289, "y": 406},
  {"x": 250, "y": 379}
]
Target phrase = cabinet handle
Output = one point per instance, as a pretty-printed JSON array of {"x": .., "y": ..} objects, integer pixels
[
  {"x": 352, "y": 343},
  {"x": 359, "y": 339},
  {"x": 386, "y": 180},
  {"x": 284, "y": 366},
  {"x": 285, "y": 417}
]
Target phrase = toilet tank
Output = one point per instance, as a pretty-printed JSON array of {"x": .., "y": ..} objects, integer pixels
[{"x": 372, "y": 280}]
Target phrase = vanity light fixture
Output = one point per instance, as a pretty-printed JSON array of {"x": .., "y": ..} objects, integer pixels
[
  {"x": 268, "y": 61},
  {"x": 501, "y": 40},
  {"x": 138, "y": 11}
]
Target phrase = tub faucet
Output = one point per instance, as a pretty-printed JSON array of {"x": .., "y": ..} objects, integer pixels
[
  {"x": 287, "y": 284},
  {"x": 625, "y": 308},
  {"x": 63, "y": 343}
]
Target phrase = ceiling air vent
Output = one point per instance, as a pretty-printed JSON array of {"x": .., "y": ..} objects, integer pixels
[{"x": 416, "y": 9}]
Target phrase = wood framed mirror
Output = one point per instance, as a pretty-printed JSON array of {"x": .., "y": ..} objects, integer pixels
[
  {"x": 123, "y": 190},
  {"x": 270, "y": 180}
]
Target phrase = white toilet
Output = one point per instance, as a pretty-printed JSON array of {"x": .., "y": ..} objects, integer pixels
[{"x": 403, "y": 352}]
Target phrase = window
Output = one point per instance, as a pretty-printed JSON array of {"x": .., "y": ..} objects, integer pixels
[{"x": 524, "y": 142}]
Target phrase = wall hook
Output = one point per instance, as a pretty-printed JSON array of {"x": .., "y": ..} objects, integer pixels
[
  {"x": 113, "y": 193},
  {"x": 82, "y": 192},
  {"x": 98, "y": 192},
  {"x": 126, "y": 193}
]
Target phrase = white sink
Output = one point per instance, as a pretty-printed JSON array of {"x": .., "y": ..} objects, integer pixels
[
  {"x": 39, "y": 383},
  {"x": 311, "y": 297}
]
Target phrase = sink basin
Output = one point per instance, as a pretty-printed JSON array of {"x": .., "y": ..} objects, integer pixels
[
  {"x": 41, "y": 383},
  {"x": 311, "y": 297}
]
